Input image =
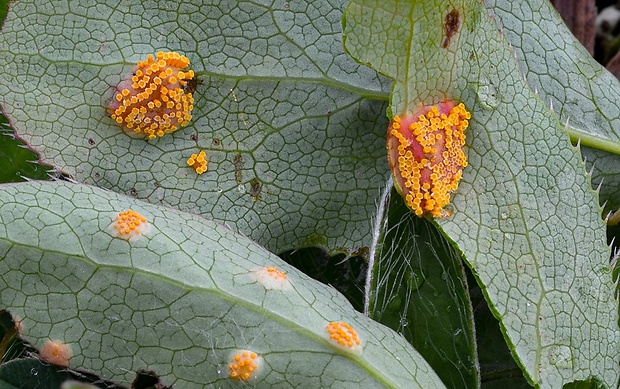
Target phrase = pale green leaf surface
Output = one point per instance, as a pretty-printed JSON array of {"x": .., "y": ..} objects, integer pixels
[
  {"x": 565, "y": 75},
  {"x": 525, "y": 216},
  {"x": 178, "y": 300},
  {"x": 292, "y": 127}
]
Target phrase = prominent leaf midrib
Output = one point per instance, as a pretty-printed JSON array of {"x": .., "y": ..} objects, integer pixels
[
  {"x": 233, "y": 299},
  {"x": 324, "y": 81},
  {"x": 596, "y": 142},
  {"x": 527, "y": 233}
]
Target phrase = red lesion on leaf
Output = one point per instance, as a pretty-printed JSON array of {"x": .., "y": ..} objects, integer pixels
[
  {"x": 425, "y": 153},
  {"x": 451, "y": 26}
]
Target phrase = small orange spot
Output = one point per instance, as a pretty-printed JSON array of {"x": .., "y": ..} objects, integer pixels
[
  {"x": 425, "y": 153},
  {"x": 199, "y": 162},
  {"x": 138, "y": 106},
  {"x": 272, "y": 278},
  {"x": 129, "y": 225},
  {"x": 342, "y": 335},
  {"x": 56, "y": 353},
  {"x": 244, "y": 365}
]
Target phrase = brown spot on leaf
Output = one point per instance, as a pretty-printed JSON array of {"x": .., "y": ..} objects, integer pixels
[
  {"x": 255, "y": 187},
  {"x": 91, "y": 141},
  {"x": 192, "y": 84},
  {"x": 216, "y": 142},
  {"x": 238, "y": 162},
  {"x": 450, "y": 27}
]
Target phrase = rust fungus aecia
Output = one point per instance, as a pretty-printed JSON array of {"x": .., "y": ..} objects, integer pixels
[
  {"x": 343, "y": 336},
  {"x": 155, "y": 99},
  {"x": 244, "y": 365},
  {"x": 272, "y": 278},
  {"x": 56, "y": 353},
  {"x": 129, "y": 225},
  {"x": 425, "y": 153},
  {"x": 199, "y": 162}
]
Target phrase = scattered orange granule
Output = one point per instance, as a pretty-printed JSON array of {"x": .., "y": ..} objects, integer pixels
[
  {"x": 272, "y": 278},
  {"x": 56, "y": 353},
  {"x": 198, "y": 162},
  {"x": 130, "y": 224},
  {"x": 243, "y": 365},
  {"x": 341, "y": 334},
  {"x": 425, "y": 153},
  {"x": 154, "y": 100}
]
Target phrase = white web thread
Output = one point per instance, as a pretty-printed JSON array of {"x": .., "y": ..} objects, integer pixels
[{"x": 378, "y": 227}]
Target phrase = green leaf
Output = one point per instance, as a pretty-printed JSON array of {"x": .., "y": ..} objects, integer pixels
[
  {"x": 605, "y": 169},
  {"x": 419, "y": 289},
  {"x": 498, "y": 368},
  {"x": 34, "y": 373},
  {"x": 344, "y": 273},
  {"x": 17, "y": 163},
  {"x": 566, "y": 77},
  {"x": 178, "y": 300},
  {"x": 293, "y": 128},
  {"x": 525, "y": 216}
]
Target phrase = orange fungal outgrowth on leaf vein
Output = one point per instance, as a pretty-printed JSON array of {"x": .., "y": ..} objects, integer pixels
[
  {"x": 425, "y": 153},
  {"x": 154, "y": 100}
]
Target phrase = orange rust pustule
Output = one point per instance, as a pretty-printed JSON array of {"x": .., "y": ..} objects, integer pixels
[
  {"x": 153, "y": 101},
  {"x": 343, "y": 335},
  {"x": 199, "y": 162},
  {"x": 243, "y": 365},
  {"x": 425, "y": 153},
  {"x": 129, "y": 222}
]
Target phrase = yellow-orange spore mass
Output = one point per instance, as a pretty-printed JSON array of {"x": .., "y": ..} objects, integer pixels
[
  {"x": 272, "y": 278},
  {"x": 275, "y": 273},
  {"x": 343, "y": 335},
  {"x": 154, "y": 101},
  {"x": 199, "y": 162},
  {"x": 243, "y": 365},
  {"x": 425, "y": 153},
  {"x": 129, "y": 223}
]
